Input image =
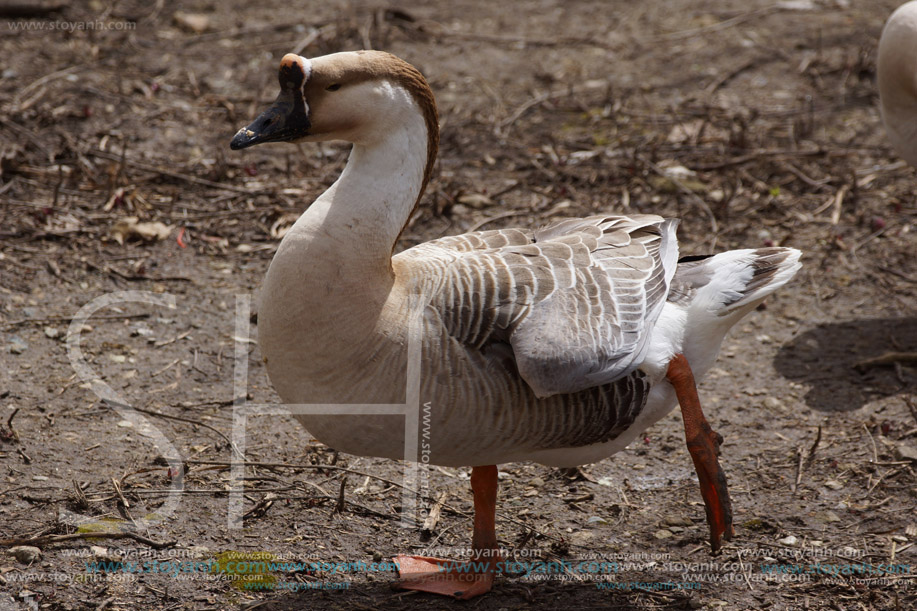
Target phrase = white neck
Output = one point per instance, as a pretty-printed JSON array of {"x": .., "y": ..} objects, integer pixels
[
  {"x": 335, "y": 263},
  {"x": 358, "y": 219}
]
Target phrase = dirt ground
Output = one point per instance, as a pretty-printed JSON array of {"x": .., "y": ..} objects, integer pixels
[{"x": 755, "y": 122}]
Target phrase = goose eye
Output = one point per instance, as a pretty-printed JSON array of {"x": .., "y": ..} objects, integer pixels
[{"x": 333, "y": 87}]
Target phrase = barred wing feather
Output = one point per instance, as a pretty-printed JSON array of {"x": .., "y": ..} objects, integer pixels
[{"x": 575, "y": 300}]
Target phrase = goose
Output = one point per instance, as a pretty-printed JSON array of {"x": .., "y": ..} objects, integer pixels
[
  {"x": 897, "y": 80},
  {"x": 557, "y": 345},
  {"x": 896, "y": 69}
]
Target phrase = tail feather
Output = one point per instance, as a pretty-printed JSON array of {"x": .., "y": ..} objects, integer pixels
[
  {"x": 734, "y": 281},
  {"x": 708, "y": 296}
]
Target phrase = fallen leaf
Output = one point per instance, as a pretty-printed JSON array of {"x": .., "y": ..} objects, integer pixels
[
  {"x": 475, "y": 200},
  {"x": 282, "y": 225},
  {"x": 196, "y": 23},
  {"x": 131, "y": 227}
]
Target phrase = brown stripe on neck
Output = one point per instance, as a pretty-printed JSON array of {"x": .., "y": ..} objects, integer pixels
[{"x": 410, "y": 78}]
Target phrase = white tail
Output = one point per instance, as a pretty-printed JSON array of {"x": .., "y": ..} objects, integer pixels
[
  {"x": 709, "y": 295},
  {"x": 732, "y": 283}
]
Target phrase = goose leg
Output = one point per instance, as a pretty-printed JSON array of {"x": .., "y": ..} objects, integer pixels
[
  {"x": 462, "y": 579},
  {"x": 704, "y": 446}
]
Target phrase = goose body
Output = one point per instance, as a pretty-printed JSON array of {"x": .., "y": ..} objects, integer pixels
[
  {"x": 897, "y": 80},
  {"x": 555, "y": 345},
  {"x": 483, "y": 409}
]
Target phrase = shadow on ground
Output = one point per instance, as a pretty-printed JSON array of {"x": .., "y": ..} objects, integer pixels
[{"x": 826, "y": 358}]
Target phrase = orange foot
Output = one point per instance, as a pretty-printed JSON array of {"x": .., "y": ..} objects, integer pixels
[{"x": 461, "y": 580}]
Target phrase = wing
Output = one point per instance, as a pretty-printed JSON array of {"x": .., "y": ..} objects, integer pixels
[{"x": 575, "y": 300}]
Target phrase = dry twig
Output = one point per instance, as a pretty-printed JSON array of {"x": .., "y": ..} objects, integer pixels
[
  {"x": 67, "y": 319},
  {"x": 188, "y": 420},
  {"x": 339, "y": 506},
  {"x": 875, "y": 450},
  {"x": 806, "y": 458},
  {"x": 123, "y": 501},
  {"x": 49, "y": 539},
  {"x": 9, "y": 425},
  {"x": 171, "y": 173},
  {"x": 889, "y": 358},
  {"x": 432, "y": 518},
  {"x": 261, "y": 507}
]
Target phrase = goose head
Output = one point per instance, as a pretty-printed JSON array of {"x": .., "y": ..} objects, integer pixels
[
  {"x": 897, "y": 80},
  {"x": 353, "y": 96}
]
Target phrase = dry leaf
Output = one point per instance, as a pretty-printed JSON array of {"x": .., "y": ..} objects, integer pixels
[
  {"x": 192, "y": 22},
  {"x": 280, "y": 227},
  {"x": 475, "y": 200},
  {"x": 130, "y": 227}
]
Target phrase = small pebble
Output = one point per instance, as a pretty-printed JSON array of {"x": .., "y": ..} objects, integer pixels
[
  {"x": 789, "y": 540},
  {"x": 772, "y": 403},
  {"x": 753, "y": 524},
  {"x": 200, "y": 551},
  {"x": 663, "y": 533},
  {"x": 52, "y": 332},
  {"x": 26, "y": 554},
  {"x": 17, "y": 345},
  {"x": 104, "y": 554},
  {"x": 582, "y": 537},
  {"x": 674, "y": 520},
  {"x": 906, "y": 452},
  {"x": 196, "y": 23},
  {"x": 142, "y": 330}
]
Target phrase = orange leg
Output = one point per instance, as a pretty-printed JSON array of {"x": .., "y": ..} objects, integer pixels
[
  {"x": 704, "y": 446},
  {"x": 462, "y": 579}
]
